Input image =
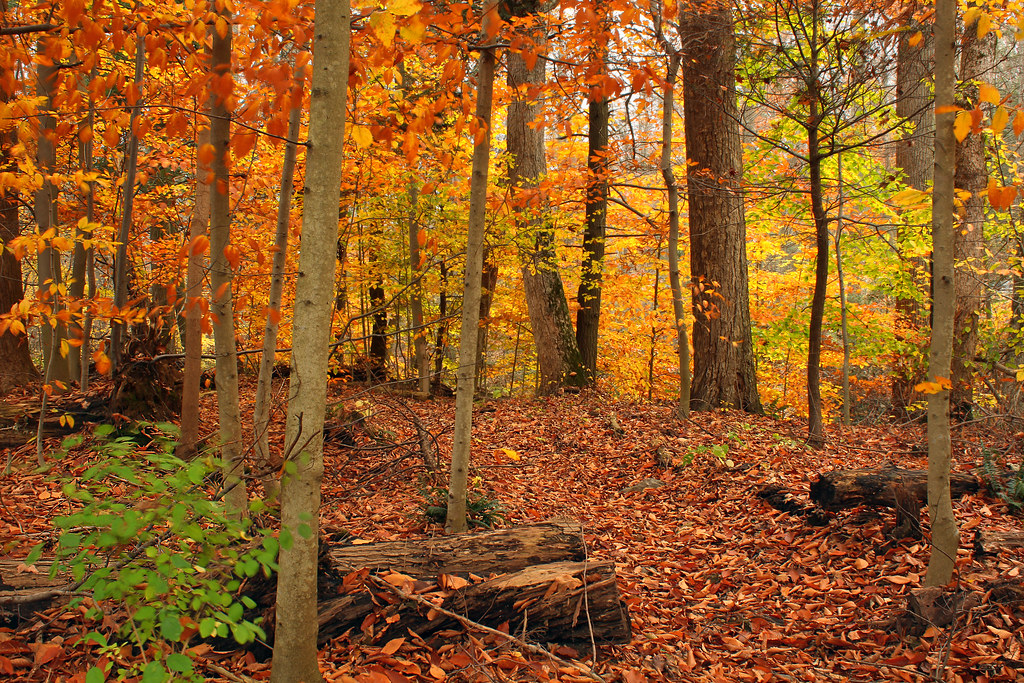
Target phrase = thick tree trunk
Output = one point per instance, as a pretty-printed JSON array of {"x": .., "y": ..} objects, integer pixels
[
  {"x": 295, "y": 649},
  {"x": 846, "y": 489},
  {"x": 976, "y": 61},
  {"x": 16, "y": 368},
  {"x": 558, "y": 357},
  {"x": 501, "y": 550},
  {"x": 221, "y": 274},
  {"x": 945, "y": 535},
  {"x": 914, "y": 159},
  {"x": 378, "y": 334},
  {"x": 723, "y": 354},
  {"x": 563, "y": 602},
  {"x": 466, "y": 384}
]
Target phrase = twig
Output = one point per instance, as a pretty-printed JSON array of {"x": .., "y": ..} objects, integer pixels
[
  {"x": 221, "y": 671},
  {"x": 469, "y": 623}
]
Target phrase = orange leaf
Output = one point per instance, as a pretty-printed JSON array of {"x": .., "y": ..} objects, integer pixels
[
  {"x": 199, "y": 245},
  {"x": 233, "y": 255},
  {"x": 102, "y": 362},
  {"x": 47, "y": 653},
  {"x": 1018, "y": 123},
  {"x": 206, "y": 154},
  {"x": 421, "y": 237},
  {"x": 391, "y": 647},
  {"x": 221, "y": 291}
]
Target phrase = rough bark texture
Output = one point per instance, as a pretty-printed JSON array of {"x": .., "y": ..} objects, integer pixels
[
  {"x": 488, "y": 281},
  {"x": 945, "y": 535},
  {"x": 502, "y": 550},
  {"x": 296, "y": 612},
  {"x": 466, "y": 373},
  {"x": 558, "y": 356},
  {"x": 379, "y": 333},
  {"x": 846, "y": 489},
  {"x": 977, "y": 59},
  {"x": 992, "y": 542},
  {"x": 16, "y": 368},
  {"x": 723, "y": 355},
  {"x": 914, "y": 159},
  {"x": 221, "y": 275},
  {"x": 563, "y": 602}
]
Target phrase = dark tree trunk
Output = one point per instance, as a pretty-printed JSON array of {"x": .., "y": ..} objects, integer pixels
[
  {"x": 379, "y": 333},
  {"x": 914, "y": 159},
  {"x": 558, "y": 357},
  {"x": 488, "y": 281},
  {"x": 977, "y": 59},
  {"x": 588, "y": 318},
  {"x": 723, "y": 355}
]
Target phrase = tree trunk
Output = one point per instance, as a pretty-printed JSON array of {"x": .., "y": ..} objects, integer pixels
[
  {"x": 977, "y": 60},
  {"x": 463, "y": 432},
  {"x": 296, "y": 614},
  {"x": 421, "y": 357},
  {"x": 193, "y": 341},
  {"x": 914, "y": 159},
  {"x": 488, "y": 281},
  {"x": 815, "y": 417},
  {"x": 222, "y": 299},
  {"x": 846, "y": 489},
  {"x": 588, "y": 317},
  {"x": 844, "y": 325},
  {"x": 50, "y": 278},
  {"x": 78, "y": 359},
  {"x": 379, "y": 333},
  {"x": 945, "y": 535},
  {"x": 118, "y": 327},
  {"x": 266, "y": 464},
  {"x": 558, "y": 357},
  {"x": 723, "y": 353}
]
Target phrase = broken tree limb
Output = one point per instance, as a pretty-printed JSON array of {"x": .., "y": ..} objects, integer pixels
[
  {"x": 546, "y": 603},
  {"x": 992, "y": 542},
  {"x": 499, "y": 551},
  {"x": 846, "y": 489}
]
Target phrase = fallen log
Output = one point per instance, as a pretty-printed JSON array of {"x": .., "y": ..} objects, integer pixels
[
  {"x": 935, "y": 606},
  {"x": 499, "y": 551},
  {"x": 845, "y": 489},
  {"x": 565, "y": 602},
  {"x": 991, "y": 542}
]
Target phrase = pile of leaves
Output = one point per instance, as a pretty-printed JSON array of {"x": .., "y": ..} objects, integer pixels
[{"x": 720, "y": 586}]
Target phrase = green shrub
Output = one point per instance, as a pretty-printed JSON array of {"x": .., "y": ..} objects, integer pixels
[
  {"x": 481, "y": 509},
  {"x": 154, "y": 547}
]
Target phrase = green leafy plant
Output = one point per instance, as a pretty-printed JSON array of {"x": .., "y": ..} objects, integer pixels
[
  {"x": 1007, "y": 485},
  {"x": 719, "y": 450},
  {"x": 157, "y": 556},
  {"x": 481, "y": 509}
]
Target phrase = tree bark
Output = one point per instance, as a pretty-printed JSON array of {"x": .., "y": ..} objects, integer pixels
[
  {"x": 914, "y": 159},
  {"x": 463, "y": 432},
  {"x": 265, "y": 463},
  {"x": 977, "y": 58},
  {"x": 558, "y": 356},
  {"x": 945, "y": 535},
  {"x": 421, "y": 357},
  {"x": 992, "y": 542},
  {"x": 296, "y": 614},
  {"x": 846, "y": 489},
  {"x": 723, "y": 353},
  {"x": 221, "y": 274},
  {"x": 488, "y": 281}
]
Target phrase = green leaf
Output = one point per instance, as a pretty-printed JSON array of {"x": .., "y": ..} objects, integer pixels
[
  {"x": 154, "y": 673},
  {"x": 207, "y": 627},
  {"x": 180, "y": 663},
  {"x": 170, "y": 627},
  {"x": 95, "y": 675},
  {"x": 305, "y": 531},
  {"x": 33, "y": 555}
]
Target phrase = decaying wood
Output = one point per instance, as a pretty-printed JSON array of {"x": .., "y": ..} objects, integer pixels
[
  {"x": 992, "y": 542},
  {"x": 845, "y": 489},
  {"x": 783, "y": 500},
  {"x": 499, "y": 551},
  {"x": 562, "y": 602},
  {"x": 934, "y": 606}
]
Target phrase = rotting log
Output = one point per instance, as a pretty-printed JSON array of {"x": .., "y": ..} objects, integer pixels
[
  {"x": 991, "y": 542},
  {"x": 564, "y": 602},
  {"x": 499, "y": 551},
  {"x": 846, "y": 489},
  {"x": 936, "y": 606}
]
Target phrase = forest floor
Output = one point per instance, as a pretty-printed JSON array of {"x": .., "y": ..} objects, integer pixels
[{"x": 720, "y": 586}]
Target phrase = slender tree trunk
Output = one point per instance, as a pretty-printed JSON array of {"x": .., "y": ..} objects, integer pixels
[
  {"x": 442, "y": 326},
  {"x": 222, "y": 303},
  {"x": 50, "y": 278},
  {"x": 421, "y": 358},
  {"x": 588, "y": 317},
  {"x": 977, "y": 60},
  {"x": 723, "y": 354},
  {"x": 844, "y": 327},
  {"x": 379, "y": 332},
  {"x": 118, "y": 327},
  {"x": 914, "y": 158},
  {"x": 488, "y": 281},
  {"x": 463, "y": 433},
  {"x": 558, "y": 356},
  {"x": 815, "y": 417},
  {"x": 78, "y": 359},
  {"x": 945, "y": 535},
  {"x": 265, "y": 463},
  {"x": 296, "y": 613}
]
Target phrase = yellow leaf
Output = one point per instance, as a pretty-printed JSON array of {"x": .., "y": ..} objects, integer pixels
[
  {"x": 971, "y": 15},
  {"x": 1020, "y": 375},
  {"x": 362, "y": 136},
  {"x": 962, "y": 125},
  {"x": 1000, "y": 119},
  {"x": 988, "y": 93},
  {"x": 947, "y": 109},
  {"x": 915, "y": 39},
  {"x": 404, "y": 8},
  {"x": 984, "y": 25},
  {"x": 70, "y": 420},
  {"x": 1018, "y": 123},
  {"x": 928, "y": 387},
  {"x": 383, "y": 26},
  {"x": 908, "y": 197},
  {"x": 413, "y": 30},
  {"x": 509, "y": 453}
]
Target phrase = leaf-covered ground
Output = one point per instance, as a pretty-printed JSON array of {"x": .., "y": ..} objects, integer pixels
[{"x": 720, "y": 586}]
